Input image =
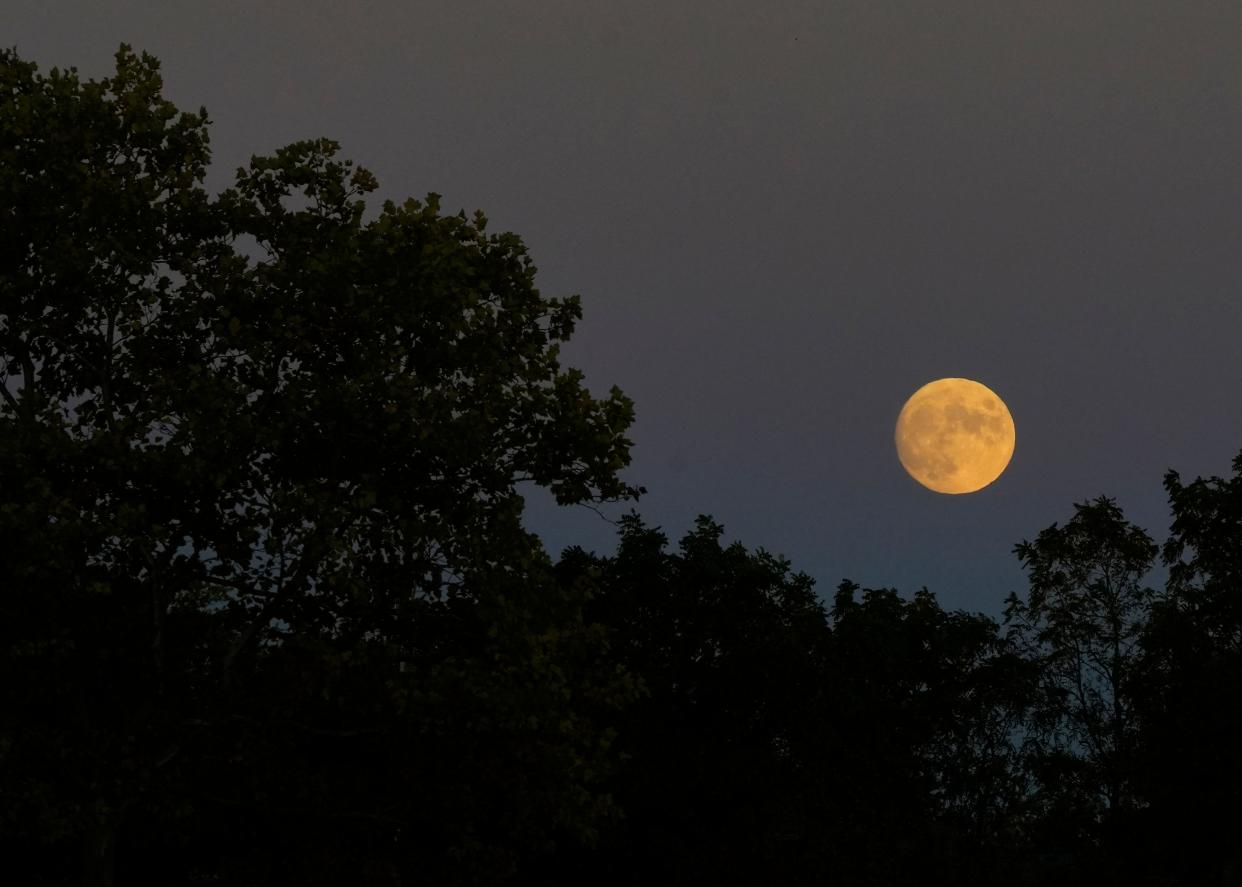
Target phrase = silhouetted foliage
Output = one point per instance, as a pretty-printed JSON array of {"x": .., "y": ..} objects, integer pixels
[
  {"x": 1079, "y": 625},
  {"x": 269, "y": 614},
  {"x": 1190, "y": 771},
  {"x": 777, "y": 741},
  {"x": 727, "y": 646}
]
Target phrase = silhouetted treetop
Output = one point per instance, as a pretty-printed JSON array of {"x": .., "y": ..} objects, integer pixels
[
  {"x": 269, "y": 613},
  {"x": 260, "y": 456}
]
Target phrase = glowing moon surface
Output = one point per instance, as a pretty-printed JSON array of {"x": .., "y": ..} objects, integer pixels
[{"x": 955, "y": 436}]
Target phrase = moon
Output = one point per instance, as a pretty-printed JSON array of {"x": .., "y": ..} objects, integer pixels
[{"x": 955, "y": 436}]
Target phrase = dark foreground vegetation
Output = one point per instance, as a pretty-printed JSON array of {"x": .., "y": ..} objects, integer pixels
[{"x": 268, "y": 614}]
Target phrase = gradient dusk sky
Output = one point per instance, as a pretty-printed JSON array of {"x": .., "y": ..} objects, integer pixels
[{"x": 785, "y": 217}]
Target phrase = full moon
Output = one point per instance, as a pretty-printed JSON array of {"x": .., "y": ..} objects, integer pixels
[{"x": 955, "y": 436}]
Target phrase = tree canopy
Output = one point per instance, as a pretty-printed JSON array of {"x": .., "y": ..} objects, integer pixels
[
  {"x": 250, "y": 441},
  {"x": 269, "y": 612}
]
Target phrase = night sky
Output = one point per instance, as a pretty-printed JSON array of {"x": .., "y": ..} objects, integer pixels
[{"x": 784, "y": 217}]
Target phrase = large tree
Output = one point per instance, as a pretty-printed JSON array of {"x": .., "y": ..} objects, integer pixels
[
  {"x": 777, "y": 741},
  {"x": 725, "y": 642},
  {"x": 1079, "y": 626},
  {"x": 260, "y": 460},
  {"x": 1191, "y": 773},
  {"x": 925, "y": 702}
]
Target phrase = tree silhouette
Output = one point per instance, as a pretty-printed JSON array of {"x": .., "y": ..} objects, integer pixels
[
  {"x": 1191, "y": 773},
  {"x": 778, "y": 741},
  {"x": 928, "y": 700},
  {"x": 725, "y": 643},
  {"x": 267, "y": 599},
  {"x": 269, "y": 614},
  {"x": 1080, "y": 625}
]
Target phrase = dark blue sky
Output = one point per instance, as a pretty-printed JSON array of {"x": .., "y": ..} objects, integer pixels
[{"x": 784, "y": 217}]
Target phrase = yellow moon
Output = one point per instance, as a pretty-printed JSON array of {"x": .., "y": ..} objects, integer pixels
[{"x": 955, "y": 436}]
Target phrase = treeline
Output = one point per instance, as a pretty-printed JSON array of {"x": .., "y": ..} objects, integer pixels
[{"x": 269, "y": 615}]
